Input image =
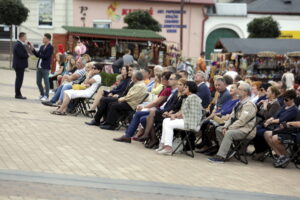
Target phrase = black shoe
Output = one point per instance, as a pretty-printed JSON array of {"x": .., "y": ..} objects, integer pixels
[
  {"x": 213, "y": 151},
  {"x": 103, "y": 123},
  {"x": 108, "y": 127},
  {"x": 93, "y": 123},
  {"x": 204, "y": 149},
  {"x": 123, "y": 139},
  {"x": 48, "y": 103},
  {"x": 200, "y": 145},
  {"x": 20, "y": 97}
]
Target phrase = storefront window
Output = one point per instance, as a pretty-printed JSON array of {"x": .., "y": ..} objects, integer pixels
[
  {"x": 102, "y": 23},
  {"x": 46, "y": 13},
  {"x": 5, "y": 32}
]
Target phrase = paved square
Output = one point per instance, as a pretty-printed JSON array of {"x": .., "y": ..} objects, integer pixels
[{"x": 33, "y": 140}]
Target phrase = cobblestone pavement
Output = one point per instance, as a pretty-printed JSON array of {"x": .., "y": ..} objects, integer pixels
[{"x": 33, "y": 140}]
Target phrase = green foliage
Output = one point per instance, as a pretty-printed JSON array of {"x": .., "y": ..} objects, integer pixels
[
  {"x": 12, "y": 12},
  {"x": 264, "y": 27},
  {"x": 141, "y": 20},
  {"x": 108, "y": 79}
]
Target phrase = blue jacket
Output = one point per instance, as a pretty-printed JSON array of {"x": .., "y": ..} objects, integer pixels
[
  {"x": 204, "y": 94},
  {"x": 45, "y": 55},
  {"x": 121, "y": 87},
  {"x": 287, "y": 115},
  {"x": 171, "y": 102},
  {"x": 20, "y": 60}
]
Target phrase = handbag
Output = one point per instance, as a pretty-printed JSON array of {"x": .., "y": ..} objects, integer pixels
[{"x": 78, "y": 87}]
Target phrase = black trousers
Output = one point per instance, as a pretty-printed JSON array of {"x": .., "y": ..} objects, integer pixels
[
  {"x": 103, "y": 107},
  {"x": 115, "y": 110},
  {"x": 19, "y": 81},
  {"x": 54, "y": 78}
]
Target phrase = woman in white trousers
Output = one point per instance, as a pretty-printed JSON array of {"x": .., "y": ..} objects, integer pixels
[{"x": 188, "y": 118}]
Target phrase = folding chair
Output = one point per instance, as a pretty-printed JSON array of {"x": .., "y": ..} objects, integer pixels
[
  {"x": 83, "y": 104},
  {"x": 126, "y": 117},
  {"x": 186, "y": 135},
  {"x": 239, "y": 147}
]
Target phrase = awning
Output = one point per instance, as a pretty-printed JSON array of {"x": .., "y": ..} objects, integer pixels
[
  {"x": 120, "y": 34},
  {"x": 255, "y": 45}
]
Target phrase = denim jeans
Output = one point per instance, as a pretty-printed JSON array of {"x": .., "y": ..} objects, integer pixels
[
  {"x": 43, "y": 74},
  {"x": 135, "y": 122},
  {"x": 59, "y": 94}
]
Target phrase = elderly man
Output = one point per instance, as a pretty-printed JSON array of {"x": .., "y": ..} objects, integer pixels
[
  {"x": 203, "y": 91},
  {"x": 127, "y": 103},
  {"x": 241, "y": 122}
]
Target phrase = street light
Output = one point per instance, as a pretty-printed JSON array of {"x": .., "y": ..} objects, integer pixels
[{"x": 181, "y": 24}]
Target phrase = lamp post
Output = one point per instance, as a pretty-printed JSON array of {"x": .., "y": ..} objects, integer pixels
[{"x": 181, "y": 24}]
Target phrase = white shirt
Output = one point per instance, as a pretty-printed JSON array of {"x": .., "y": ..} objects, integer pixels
[
  {"x": 233, "y": 74},
  {"x": 92, "y": 89},
  {"x": 289, "y": 80}
]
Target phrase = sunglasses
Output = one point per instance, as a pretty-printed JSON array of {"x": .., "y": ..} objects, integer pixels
[{"x": 286, "y": 99}]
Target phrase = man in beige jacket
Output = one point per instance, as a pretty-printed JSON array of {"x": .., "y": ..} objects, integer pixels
[
  {"x": 127, "y": 103},
  {"x": 241, "y": 122}
]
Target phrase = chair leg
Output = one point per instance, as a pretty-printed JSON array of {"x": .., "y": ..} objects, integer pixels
[{"x": 187, "y": 139}]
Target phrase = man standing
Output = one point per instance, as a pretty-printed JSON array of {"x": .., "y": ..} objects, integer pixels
[
  {"x": 20, "y": 62},
  {"x": 240, "y": 125},
  {"x": 43, "y": 66},
  {"x": 127, "y": 58},
  {"x": 201, "y": 65}
]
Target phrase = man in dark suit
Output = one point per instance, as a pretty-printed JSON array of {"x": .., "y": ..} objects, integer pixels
[
  {"x": 203, "y": 91},
  {"x": 20, "y": 62},
  {"x": 44, "y": 66}
]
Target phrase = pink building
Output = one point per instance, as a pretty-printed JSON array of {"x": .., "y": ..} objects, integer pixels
[{"x": 110, "y": 14}]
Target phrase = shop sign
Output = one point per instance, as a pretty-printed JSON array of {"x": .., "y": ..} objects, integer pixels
[
  {"x": 171, "y": 20},
  {"x": 289, "y": 35}
]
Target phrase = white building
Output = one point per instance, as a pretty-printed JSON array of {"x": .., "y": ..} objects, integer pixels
[
  {"x": 230, "y": 19},
  {"x": 45, "y": 16}
]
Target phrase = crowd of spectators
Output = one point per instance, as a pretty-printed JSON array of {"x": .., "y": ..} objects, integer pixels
[{"x": 224, "y": 108}]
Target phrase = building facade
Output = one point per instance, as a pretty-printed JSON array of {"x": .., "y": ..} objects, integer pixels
[
  {"x": 230, "y": 20},
  {"x": 110, "y": 14}
]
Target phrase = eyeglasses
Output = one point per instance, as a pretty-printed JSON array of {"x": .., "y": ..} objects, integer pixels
[{"x": 171, "y": 79}]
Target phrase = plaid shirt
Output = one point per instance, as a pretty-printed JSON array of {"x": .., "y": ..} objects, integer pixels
[{"x": 192, "y": 112}]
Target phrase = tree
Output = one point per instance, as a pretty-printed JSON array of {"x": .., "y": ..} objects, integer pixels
[
  {"x": 264, "y": 27},
  {"x": 141, "y": 20},
  {"x": 12, "y": 12}
]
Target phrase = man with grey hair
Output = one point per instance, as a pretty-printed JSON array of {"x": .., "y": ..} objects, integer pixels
[
  {"x": 224, "y": 96},
  {"x": 240, "y": 124},
  {"x": 203, "y": 91},
  {"x": 127, "y": 103}
]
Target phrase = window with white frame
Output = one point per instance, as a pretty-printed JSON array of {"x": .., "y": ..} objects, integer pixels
[
  {"x": 99, "y": 23},
  {"x": 45, "y": 13}
]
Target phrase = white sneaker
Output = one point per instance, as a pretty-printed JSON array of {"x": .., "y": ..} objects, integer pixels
[
  {"x": 51, "y": 92},
  {"x": 165, "y": 152},
  {"x": 40, "y": 97},
  {"x": 44, "y": 98}
]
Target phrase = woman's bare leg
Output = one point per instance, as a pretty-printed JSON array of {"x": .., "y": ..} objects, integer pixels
[{"x": 97, "y": 97}]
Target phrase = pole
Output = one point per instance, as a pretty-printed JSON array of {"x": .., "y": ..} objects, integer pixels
[{"x": 181, "y": 24}]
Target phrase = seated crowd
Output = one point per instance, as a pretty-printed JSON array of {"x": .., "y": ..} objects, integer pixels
[{"x": 161, "y": 100}]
